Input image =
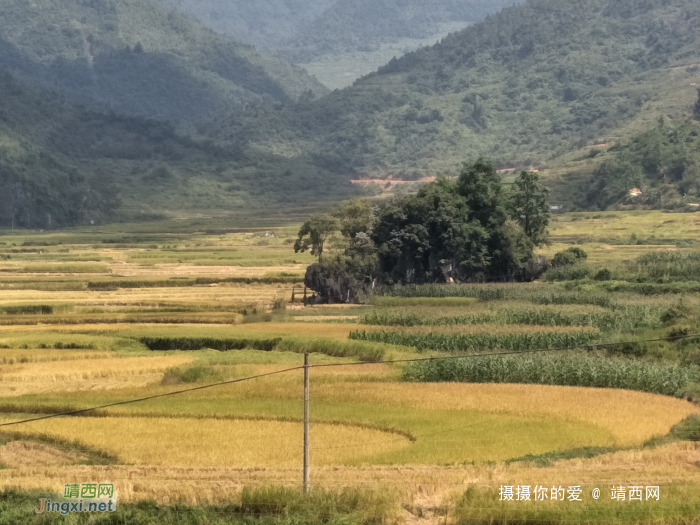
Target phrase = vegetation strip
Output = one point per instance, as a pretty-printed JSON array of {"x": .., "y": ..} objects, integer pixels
[
  {"x": 475, "y": 342},
  {"x": 500, "y": 292},
  {"x": 185, "y": 283},
  {"x": 563, "y": 370},
  {"x": 622, "y": 318},
  {"x": 223, "y": 345}
]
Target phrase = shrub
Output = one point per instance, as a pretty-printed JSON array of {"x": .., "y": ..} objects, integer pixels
[
  {"x": 174, "y": 376},
  {"x": 568, "y": 257},
  {"x": 603, "y": 275}
]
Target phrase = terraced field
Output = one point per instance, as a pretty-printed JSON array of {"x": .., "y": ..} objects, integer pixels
[{"x": 156, "y": 317}]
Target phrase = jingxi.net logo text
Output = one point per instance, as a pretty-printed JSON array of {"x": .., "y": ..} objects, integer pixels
[{"x": 83, "y": 497}]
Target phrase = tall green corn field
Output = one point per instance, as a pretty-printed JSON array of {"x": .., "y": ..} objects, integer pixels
[{"x": 565, "y": 370}]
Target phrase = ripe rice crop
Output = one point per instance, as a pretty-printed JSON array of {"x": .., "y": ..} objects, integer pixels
[
  {"x": 488, "y": 338},
  {"x": 495, "y": 292},
  {"x": 94, "y": 368},
  {"x": 193, "y": 442},
  {"x": 621, "y": 319},
  {"x": 563, "y": 370}
]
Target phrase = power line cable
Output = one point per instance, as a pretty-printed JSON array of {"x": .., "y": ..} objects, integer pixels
[{"x": 148, "y": 398}]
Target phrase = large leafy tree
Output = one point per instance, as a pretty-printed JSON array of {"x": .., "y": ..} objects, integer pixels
[
  {"x": 314, "y": 233},
  {"x": 355, "y": 218},
  {"x": 482, "y": 189},
  {"x": 530, "y": 208},
  {"x": 429, "y": 237}
]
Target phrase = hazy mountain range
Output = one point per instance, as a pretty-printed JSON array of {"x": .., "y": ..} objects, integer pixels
[{"x": 129, "y": 108}]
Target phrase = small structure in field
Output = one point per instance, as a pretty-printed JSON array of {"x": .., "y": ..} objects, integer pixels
[{"x": 635, "y": 192}]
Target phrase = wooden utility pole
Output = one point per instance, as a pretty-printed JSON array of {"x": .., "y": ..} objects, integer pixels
[{"x": 306, "y": 423}]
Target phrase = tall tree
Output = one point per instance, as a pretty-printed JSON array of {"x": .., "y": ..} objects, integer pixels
[
  {"x": 429, "y": 237},
  {"x": 314, "y": 233},
  {"x": 696, "y": 108},
  {"x": 482, "y": 190},
  {"x": 355, "y": 217},
  {"x": 530, "y": 208}
]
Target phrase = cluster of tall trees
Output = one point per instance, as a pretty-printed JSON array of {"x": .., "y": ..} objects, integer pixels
[{"x": 469, "y": 229}]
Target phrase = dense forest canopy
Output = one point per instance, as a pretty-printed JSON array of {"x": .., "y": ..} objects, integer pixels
[
  {"x": 128, "y": 108},
  {"x": 63, "y": 164}
]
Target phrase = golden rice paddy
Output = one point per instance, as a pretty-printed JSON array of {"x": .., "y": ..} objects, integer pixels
[{"x": 186, "y": 442}]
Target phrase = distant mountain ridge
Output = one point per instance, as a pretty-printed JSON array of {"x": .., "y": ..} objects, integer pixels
[
  {"x": 303, "y": 29},
  {"x": 527, "y": 84},
  {"x": 137, "y": 57}
]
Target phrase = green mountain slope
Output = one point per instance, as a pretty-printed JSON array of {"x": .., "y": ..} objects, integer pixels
[
  {"x": 137, "y": 57},
  {"x": 524, "y": 86},
  {"x": 63, "y": 164},
  {"x": 663, "y": 163}
]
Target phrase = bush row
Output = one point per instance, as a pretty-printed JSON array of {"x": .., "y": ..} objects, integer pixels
[
  {"x": 223, "y": 345},
  {"x": 26, "y": 309},
  {"x": 363, "y": 351}
]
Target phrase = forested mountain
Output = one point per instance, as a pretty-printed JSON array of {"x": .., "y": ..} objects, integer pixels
[
  {"x": 527, "y": 84},
  {"x": 63, "y": 164},
  {"x": 662, "y": 163},
  {"x": 137, "y": 57}
]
